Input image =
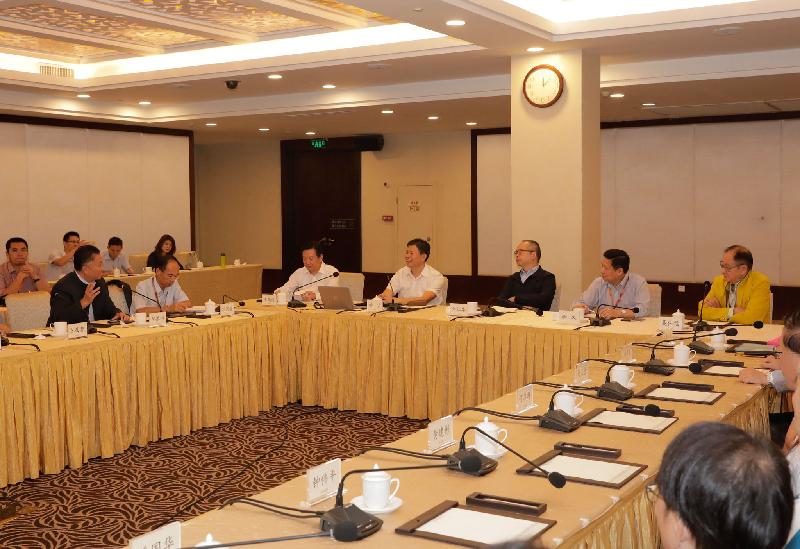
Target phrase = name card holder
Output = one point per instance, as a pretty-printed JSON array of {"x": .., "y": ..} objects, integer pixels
[
  {"x": 166, "y": 537},
  {"x": 524, "y": 399},
  {"x": 580, "y": 374},
  {"x": 157, "y": 319},
  {"x": 574, "y": 317},
  {"x": 457, "y": 309},
  {"x": 227, "y": 309},
  {"x": 322, "y": 482},
  {"x": 440, "y": 434},
  {"x": 78, "y": 330},
  {"x": 269, "y": 299},
  {"x": 667, "y": 323}
]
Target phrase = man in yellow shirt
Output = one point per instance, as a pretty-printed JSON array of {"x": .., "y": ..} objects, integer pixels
[{"x": 739, "y": 294}]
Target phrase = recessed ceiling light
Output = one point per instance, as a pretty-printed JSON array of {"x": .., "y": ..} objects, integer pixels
[
  {"x": 535, "y": 50},
  {"x": 83, "y": 96},
  {"x": 617, "y": 95},
  {"x": 263, "y": 129},
  {"x": 472, "y": 123},
  {"x": 418, "y": 9},
  {"x": 211, "y": 123},
  {"x": 648, "y": 104},
  {"x": 433, "y": 118},
  {"x": 455, "y": 23},
  {"x": 726, "y": 31},
  {"x": 144, "y": 103},
  {"x": 387, "y": 111},
  {"x": 311, "y": 133},
  {"x": 275, "y": 76},
  {"x": 328, "y": 86}
]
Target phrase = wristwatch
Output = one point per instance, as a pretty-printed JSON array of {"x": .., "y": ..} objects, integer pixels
[{"x": 770, "y": 378}]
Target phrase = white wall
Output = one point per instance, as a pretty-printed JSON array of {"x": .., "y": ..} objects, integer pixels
[
  {"x": 99, "y": 183},
  {"x": 494, "y": 203}
]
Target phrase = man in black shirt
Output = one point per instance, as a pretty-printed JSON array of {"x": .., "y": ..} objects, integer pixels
[
  {"x": 82, "y": 295},
  {"x": 531, "y": 286}
]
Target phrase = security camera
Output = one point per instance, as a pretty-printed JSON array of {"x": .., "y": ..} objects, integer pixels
[{"x": 232, "y": 84}]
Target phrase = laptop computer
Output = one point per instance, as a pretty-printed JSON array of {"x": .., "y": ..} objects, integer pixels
[{"x": 337, "y": 298}]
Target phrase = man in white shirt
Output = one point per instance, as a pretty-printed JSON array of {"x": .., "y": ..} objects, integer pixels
[
  {"x": 162, "y": 290},
  {"x": 417, "y": 283},
  {"x": 60, "y": 261},
  {"x": 115, "y": 258},
  {"x": 314, "y": 269}
]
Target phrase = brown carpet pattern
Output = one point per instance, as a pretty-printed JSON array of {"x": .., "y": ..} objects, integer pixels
[{"x": 108, "y": 501}]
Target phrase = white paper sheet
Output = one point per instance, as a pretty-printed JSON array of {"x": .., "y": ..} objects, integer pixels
[
  {"x": 633, "y": 421},
  {"x": 481, "y": 527},
  {"x": 682, "y": 394},
  {"x": 724, "y": 370},
  {"x": 589, "y": 469}
]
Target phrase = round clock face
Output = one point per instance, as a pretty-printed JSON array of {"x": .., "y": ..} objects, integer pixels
[{"x": 543, "y": 85}]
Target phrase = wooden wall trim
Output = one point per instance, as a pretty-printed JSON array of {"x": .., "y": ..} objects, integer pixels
[{"x": 721, "y": 119}]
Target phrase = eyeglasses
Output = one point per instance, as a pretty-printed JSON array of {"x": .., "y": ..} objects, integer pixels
[
  {"x": 652, "y": 492},
  {"x": 517, "y": 252},
  {"x": 727, "y": 268},
  {"x": 74, "y": 241}
]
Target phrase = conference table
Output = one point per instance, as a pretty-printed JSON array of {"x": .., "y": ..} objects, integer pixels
[{"x": 587, "y": 516}]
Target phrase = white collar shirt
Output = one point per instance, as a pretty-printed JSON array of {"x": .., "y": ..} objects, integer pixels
[
  {"x": 303, "y": 276},
  {"x": 158, "y": 296},
  {"x": 405, "y": 285}
]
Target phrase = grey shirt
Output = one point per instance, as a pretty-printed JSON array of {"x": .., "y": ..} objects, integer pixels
[{"x": 629, "y": 293}]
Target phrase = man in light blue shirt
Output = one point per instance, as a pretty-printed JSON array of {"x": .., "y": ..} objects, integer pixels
[
  {"x": 115, "y": 258},
  {"x": 162, "y": 291},
  {"x": 616, "y": 292}
]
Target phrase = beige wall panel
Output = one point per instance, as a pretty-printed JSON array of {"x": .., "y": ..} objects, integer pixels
[
  {"x": 494, "y": 205},
  {"x": 737, "y": 193},
  {"x": 608, "y": 174},
  {"x": 653, "y": 210},
  {"x": 14, "y": 196},
  {"x": 165, "y": 190},
  {"x": 114, "y": 180},
  {"x": 58, "y": 194},
  {"x": 238, "y": 204},
  {"x": 790, "y": 204}
]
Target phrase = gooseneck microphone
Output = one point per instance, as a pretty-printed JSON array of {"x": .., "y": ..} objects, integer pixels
[
  {"x": 296, "y": 303},
  {"x": 4, "y": 341},
  {"x": 392, "y": 306},
  {"x": 656, "y": 365},
  {"x": 701, "y": 325},
  {"x": 554, "y": 477},
  {"x": 648, "y": 409},
  {"x": 229, "y": 298},
  {"x": 344, "y": 531},
  {"x": 599, "y": 321},
  {"x": 758, "y": 324}
]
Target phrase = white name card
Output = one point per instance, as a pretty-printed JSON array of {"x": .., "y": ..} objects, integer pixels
[
  {"x": 457, "y": 309},
  {"x": 581, "y": 374},
  {"x": 323, "y": 480},
  {"x": 574, "y": 317},
  {"x": 440, "y": 433},
  {"x": 524, "y": 400},
  {"x": 669, "y": 323},
  {"x": 157, "y": 319},
  {"x": 166, "y": 537},
  {"x": 269, "y": 299},
  {"x": 227, "y": 309},
  {"x": 75, "y": 331}
]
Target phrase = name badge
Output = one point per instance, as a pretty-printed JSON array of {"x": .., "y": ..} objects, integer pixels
[
  {"x": 227, "y": 309},
  {"x": 524, "y": 399},
  {"x": 269, "y": 299},
  {"x": 457, "y": 309},
  {"x": 669, "y": 323},
  {"x": 323, "y": 480},
  {"x": 166, "y": 537},
  {"x": 78, "y": 330},
  {"x": 157, "y": 319},
  {"x": 440, "y": 433}
]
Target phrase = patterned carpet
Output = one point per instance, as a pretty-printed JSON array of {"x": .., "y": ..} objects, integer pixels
[{"x": 108, "y": 501}]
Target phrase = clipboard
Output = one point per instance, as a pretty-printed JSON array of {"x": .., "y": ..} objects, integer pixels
[
  {"x": 527, "y": 469},
  {"x": 588, "y": 422},
  {"x": 646, "y": 393},
  {"x": 412, "y": 527}
]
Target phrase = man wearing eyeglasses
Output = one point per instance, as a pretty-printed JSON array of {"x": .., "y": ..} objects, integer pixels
[
  {"x": 739, "y": 294},
  {"x": 61, "y": 262},
  {"x": 530, "y": 286},
  {"x": 162, "y": 291}
]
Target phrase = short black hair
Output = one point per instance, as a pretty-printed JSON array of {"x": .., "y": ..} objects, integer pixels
[
  {"x": 423, "y": 246},
  {"x": 619, "y": 259},
  {"x": 791, "y": 331},
  {"x": 70, "y": 234},
  {"x": 15, "y": 240},
  {"x": 538, "y": 248},
  {"x": 729, "y": 488},
  {"x": 741, "y": 255},
  {"x": 84, "y": 255},
  {"x": 319, "y": 246},
  {"x": 115, "y": 241},
  {"x": 163, "y": 260}
]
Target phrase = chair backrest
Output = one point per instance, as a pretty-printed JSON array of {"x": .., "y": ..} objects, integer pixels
[
  {"x": 556, "y": 297},
  {"x": 188, "y": 259},
  {"x": 655, "y": 300},
  {"x": 771, "y": 309},
  {"x": 28, "y": 310},
  {"x": 354, "y": 281},
  {"x": 444, "y": 291},
  {"x": 118, "y": 298},
  {"x": 138, "y": 262}
]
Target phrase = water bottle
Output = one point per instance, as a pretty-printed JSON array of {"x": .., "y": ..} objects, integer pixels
[{"x": 223, "y": 260}]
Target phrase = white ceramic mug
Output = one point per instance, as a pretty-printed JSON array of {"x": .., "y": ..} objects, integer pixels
[
  {"x": 579, "y": 313},
  {"x": 199, "y": 265},
  {"x": 281, "y": 298},
  {"x": 472, "y": 307},
  {"x": 211, "y": 307},
  {"x": 116, "y": 271},
  {"x": 682, "y": 355},
  {"x": 148, "y": 270},
  {"x": 140, "y": 319},
  {"x": 718, "y": 340},
  {"x": 626, "y": 353},
  {"x": 486, "y": 445},
  {"x": 375, "y": 304},
  {"x": 377, "y": 488},
  {"x": 568, "y": 402},
  {"x": 237, "y": 261},
  {"x": 621, "y": 374},
  {"x": 59, "y": 329}
]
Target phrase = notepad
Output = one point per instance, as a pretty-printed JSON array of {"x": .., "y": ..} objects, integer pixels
[
  {"x": 723, "y": 370},
  {"x": 480, "y": 527},
  {"x": 633, "y": 421},
  {"x": 668, "y": 393},
  {"x": 590, "y": 469}
]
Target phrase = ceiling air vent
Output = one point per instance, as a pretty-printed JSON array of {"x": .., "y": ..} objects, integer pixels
[{"x": 56, "y": 70}]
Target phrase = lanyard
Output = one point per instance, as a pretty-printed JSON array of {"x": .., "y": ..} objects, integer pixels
[
  {"x": 622, "y": 293},
  {"x": 155, "y": 291}
]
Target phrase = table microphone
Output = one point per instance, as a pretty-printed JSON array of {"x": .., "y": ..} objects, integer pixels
[
  {"x": 4, "y": 342},
  {"x": 599, "y": 321},
  {"x": 701, "y": 325},
  {"x": 648, "y": 410},
  {"x": 758, "y": 324},
  {"x": 555, "y": 478},
  {"x": 229, "y": 298},
  {"x": 295, "y": 303},
  {"x": 392, "y": 306},
  {"x": 657, "y": 366},
  {"x": 340, "y": 532}
]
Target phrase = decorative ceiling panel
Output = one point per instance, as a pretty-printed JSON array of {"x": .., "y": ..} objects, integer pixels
[
  {"x": 109, "y": 27},
  {"x": 223, "y": 12},
  {"x": 353, "y": 10},
  {"x": 42, "y": 47}
]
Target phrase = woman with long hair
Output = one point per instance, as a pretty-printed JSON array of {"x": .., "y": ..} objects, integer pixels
[{"x": 164, "y": 248}]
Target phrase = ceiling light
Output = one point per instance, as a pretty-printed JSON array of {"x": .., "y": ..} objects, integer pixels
[
  {"x": 726, "y": 31},
  {"x": 418, "y": 9},
  {"x": 387, "y": 111},
  {"x": 433, "y": 118},
  {"x": 563, "y": 11},
  {"x": 144, "y": 103},
  {"x": 328, "y": 86},
  {"x": 211, "y": 123},
  {"x": 311, "y": 133},
  {"x": 472, "y": 123},
  {"x": 648, "y": 104},
  {"x": 263, "y": 129},
  {"x": 535, "y": 50},
  {"x": 455, "y": 23},
  {"x": 275, "y": 76},
  {"x": 617, "y": 95},
  {"x": 83, "y": 96}
]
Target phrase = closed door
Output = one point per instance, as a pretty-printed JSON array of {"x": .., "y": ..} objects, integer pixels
[{"x": 415, "y": 207}]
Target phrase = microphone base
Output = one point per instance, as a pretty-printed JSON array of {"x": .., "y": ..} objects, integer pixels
[
  {"x": 393, "y": 306},
  {"x": 702, "y": 326},
  {"x": 701, "y": 347},
  {"x": 614, "y": 391},
  {"x": 487, "y": 464},
  {"x": 296, "y": 304},
  {"x": 558, "y": 420},
  {"x": 598, "y": 321},
  {"x": 657, "y": 366},
  {"x": 365, "y": 524}
]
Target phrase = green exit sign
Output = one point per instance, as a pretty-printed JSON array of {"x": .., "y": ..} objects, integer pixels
[{"x": 319, "y": 143}]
